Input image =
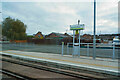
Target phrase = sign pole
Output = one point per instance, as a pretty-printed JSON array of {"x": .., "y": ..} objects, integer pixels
[
  {"x": 94, "y": 39},
  {"x": 76, "y": 46},
  {"x": 73, "y": 41},
  {"x": 79, "y": 43},
  {"x": 79, "y": 38}
]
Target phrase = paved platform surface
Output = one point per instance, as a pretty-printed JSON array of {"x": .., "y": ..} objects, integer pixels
[{"x": 87, "y": 62}]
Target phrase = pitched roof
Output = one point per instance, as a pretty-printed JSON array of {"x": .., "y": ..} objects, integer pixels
[{"x": 59, "y": 35}]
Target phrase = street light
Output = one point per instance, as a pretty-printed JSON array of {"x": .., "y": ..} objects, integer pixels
[{"x": 94, "y": 39}]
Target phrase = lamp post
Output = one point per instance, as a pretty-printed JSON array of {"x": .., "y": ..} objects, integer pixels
[{"x": 94, "y": 39}]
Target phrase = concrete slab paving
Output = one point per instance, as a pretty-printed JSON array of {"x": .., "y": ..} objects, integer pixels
[{"x": 82, "y": 61}]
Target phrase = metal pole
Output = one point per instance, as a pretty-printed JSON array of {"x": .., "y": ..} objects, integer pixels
[
  {"x": 67, "y": 48},
  {"x": 94, "y": 40},
  {"x": 79, "y": 38},
  {"x": 113, "y": 51},
  {"x": 78, "y": 24},
  {"x": 62, "y": 48},
  {"x": 73, "y": 36},
  {"x": 88, "y": 50},
  {"x": 73, "y": 41},
  {"x": 79, "y": 43}
]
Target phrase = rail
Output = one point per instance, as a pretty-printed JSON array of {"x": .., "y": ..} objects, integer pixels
[
  {"x": 48, "y": 66},
  {"x": 15, "y": 75}
]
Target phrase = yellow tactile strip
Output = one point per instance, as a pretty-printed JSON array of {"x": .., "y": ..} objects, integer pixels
[{"x": 65, "y": 60}]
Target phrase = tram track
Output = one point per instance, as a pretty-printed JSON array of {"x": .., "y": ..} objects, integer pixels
[
  {"x": 30, "y": 73},
  {"x": 47, "y": 68},
  {"x": 14, "y": 75}
]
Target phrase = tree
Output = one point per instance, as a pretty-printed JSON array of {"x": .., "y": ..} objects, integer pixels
[
  {"x": 0, "y": 29},
  {"x": 0, "y": 32},
  {"x": 14, "y": 29}
]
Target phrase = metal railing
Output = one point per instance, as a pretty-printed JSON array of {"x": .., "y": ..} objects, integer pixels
[
  {"x": 86, "y": 49},
  {"x": 110, "y": 47}
]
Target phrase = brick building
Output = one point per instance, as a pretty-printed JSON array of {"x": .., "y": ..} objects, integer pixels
[
  {"x": 39, "y": 35},
  {"x": 108, "y": 36},
  {"x": 54, "y": 35}
]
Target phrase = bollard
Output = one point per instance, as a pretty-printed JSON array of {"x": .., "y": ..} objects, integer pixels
[
  {"x": 62, "y": 48},
  {"x": 67, "y": 48},
  {"x": 88, "y": 50},
  {"x": 113, "y": 51}
]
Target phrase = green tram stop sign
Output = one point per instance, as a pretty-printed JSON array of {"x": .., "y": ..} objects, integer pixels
[{"x": 77, "y": 27}]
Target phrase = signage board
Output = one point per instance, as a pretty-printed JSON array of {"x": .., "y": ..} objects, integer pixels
[{"x": 77, "y": 27}]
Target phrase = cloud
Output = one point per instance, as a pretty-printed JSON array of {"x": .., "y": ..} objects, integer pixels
[
  {"x": 58, "y": 0},
  {"x": 57, "y": 17},
  {"x": 59, "y": 9}
]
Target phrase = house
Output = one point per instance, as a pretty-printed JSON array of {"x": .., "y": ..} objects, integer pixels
[
  {"x": 108, "y": 36},
  {"x": 39, "y": 35},
  {"x": 54, "y": 35},
  {"x": 87, "y": 36}
]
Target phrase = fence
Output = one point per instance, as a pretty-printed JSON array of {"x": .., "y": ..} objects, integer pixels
[
  {"x": 86, "y": 49},
  {"x": 31, "y": 47},
  {"x": 102, "y": 50}
]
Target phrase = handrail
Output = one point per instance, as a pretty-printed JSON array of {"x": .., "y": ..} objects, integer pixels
[
  {"x": 96, "y": 43},
  {"x": 113, "y": 47}
]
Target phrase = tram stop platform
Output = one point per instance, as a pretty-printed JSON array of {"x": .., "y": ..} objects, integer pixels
[{"x": 103, "y": 65}]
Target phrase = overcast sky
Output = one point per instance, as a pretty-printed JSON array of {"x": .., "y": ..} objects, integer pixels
[{"x": 50, "y": 17}]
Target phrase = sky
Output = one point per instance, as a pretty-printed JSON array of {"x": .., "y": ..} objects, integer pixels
[{"x": 48, "y": 17}]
